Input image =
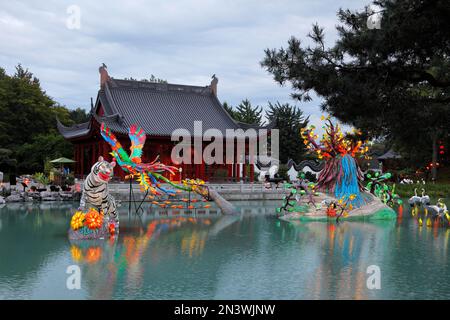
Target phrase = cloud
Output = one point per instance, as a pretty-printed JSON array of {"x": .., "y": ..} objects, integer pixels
[{"x": 182, "y": 41}]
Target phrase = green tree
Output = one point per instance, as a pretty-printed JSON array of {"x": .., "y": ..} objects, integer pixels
[
  {"x": 79, "y": 115},
  {"x": 289, "y": 120},
  {"x": 7, "y": 164},
  {"x": 24, "y": 107},
  {"x": 392, "y": 82},
  {"x": 229, "y": 109},
  {"x": 28, "y": 121},
  {"x": 63, "y": 115},
  {"x": 32, "y": 155},
  {"x": 246, "y": 113}
]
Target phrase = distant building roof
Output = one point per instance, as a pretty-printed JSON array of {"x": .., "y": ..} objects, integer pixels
[
  {"x": 389, "y": 155},
  {"x": 159, "y": 108}
]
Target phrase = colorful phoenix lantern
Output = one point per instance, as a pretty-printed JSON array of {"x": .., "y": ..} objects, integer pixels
[
  {"x": 149, "y": 175},
  {"x": 341, "y": 175}
]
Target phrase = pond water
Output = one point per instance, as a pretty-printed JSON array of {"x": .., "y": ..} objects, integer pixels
[{"x": 210, "y": 256}]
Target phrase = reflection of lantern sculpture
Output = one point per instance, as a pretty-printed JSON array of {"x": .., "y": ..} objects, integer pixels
[
  {"x": 90, "y": 255},
  {"x": 93, "y": 254},
  {"x": 76, "y": 253},
  {"x": 194, "y": 244}
]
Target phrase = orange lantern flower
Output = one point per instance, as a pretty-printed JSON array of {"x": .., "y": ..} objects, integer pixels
[
  {"x": 331, "y": 212},
  {"x": 93, "y": 219},
  {"x": 77, "y": 220},
  {"x": 112, "y": 229},
  {"x": 93, "y": 254},
  {"x": 77, "y": 255}
]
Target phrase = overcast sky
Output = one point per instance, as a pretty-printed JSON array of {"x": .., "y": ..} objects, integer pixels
[{"x": 183, "y": 42}]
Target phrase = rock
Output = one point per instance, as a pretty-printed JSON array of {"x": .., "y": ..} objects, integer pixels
[
  {"x": 45, "y": 194},
  {"x": 55, "y": 194},
  {"x": 2, "y": 200},
  {"x": 34, "y": 195},
  {"x": 76, "y": 196},
  {"x": 49, "y": 198},
  {"x": 14, "y": 198},
  {"x": 66, "y": 195}
]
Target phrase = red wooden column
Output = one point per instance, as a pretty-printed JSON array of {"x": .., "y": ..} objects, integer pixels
[
  {"x": 252, "y": 172},
  {"x": 78, "y": 159},
  {"x": 227, "y": 166},
  {"x": 101, "y": 151},
  {"x": 237, "y": 172},
  {"x": 75, "y": 157},
  {"x": 202, "y": 167},
  {"x": 230, "y": 170},
  {"x": 94, "y": 152},
  {"x": 197, "y": 171},
  {"x": 95, "y": 149},
  {"x": 106, "y": 151},
  {"x": 91, "y": 147},
  {"x": 81, "y": 146},
  {"x": 244, "y": 171}
]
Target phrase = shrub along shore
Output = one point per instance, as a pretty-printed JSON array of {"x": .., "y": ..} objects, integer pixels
[{"x": 434, "y": 190}]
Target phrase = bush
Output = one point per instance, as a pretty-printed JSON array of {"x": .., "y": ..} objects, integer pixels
[
  {"x": 220, "y": 174},
  {"x": 34, "y": 155},
  {"x": 5, "y": 192},
  {"x": 434, "y": 190},
  {"x": 69, "y": 180},
  {"x": 41, "y": 178},
  {"x": 283, "y": 172},
  {"x": 310, "y": 176},
  {"x": 48, "y": 166}
]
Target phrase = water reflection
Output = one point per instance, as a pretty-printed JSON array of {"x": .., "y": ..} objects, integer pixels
[
  {"x": 204, "y": 256},
  {"x": 344, "y": 252},
  {"x": 104, "y": 261}
]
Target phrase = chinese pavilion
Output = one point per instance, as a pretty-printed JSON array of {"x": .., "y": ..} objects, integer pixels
[{"x": 159, "y": 108}]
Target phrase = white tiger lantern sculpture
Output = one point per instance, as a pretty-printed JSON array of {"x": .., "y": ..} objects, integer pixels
[
  {"x": 101, "y": 219},
  {"x": 95, "y": 188}
]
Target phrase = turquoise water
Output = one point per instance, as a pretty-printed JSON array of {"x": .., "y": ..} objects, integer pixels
[{"x": 210, "y": 256}]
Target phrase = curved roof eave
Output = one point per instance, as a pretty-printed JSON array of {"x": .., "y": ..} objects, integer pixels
[{"x": 74, "y": 131}]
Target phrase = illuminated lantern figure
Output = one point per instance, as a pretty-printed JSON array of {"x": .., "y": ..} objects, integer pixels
[
  {"x": 341, "y": 176},
  {"x": 95, "y": 189},
  {"x": 149, "y": 175}
]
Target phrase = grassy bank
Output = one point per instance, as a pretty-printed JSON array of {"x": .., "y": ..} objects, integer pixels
[{"x": 437, "y": 190}]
